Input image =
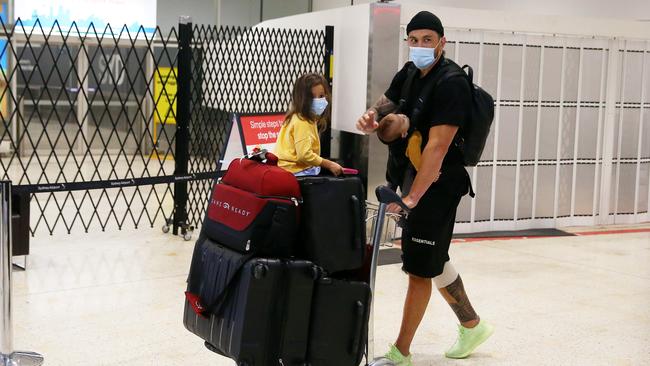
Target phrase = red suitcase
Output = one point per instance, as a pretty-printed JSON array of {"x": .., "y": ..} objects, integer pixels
[{"x": 255, "y": 208}]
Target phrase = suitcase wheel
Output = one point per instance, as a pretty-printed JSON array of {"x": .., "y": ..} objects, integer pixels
[
  {"x": 187, "y": 236},
  {"x": 315, "y": 272},
  {"x": 259, "y": 271}
]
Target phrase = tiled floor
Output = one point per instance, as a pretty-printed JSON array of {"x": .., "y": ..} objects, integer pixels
[{"x": 116, "y": 299}]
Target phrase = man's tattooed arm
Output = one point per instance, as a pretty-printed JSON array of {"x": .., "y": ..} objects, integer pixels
[{"x": 382, "y": 107}]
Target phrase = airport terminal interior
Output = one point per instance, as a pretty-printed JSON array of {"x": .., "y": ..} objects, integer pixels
[{"x": 118, "y": 117}]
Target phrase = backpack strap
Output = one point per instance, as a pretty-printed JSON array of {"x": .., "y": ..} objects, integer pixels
[
  {"x": 412, "y": 73},
  {"x": 470, "y": 73},
  {"x": 450, "y": 75},
  {"x": 469, "y": 76},
  {"x": 447, "y": 73}
]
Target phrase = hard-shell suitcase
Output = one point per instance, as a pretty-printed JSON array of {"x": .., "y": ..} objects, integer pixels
[
  {"x": 333, "y": 234},
  {"x": 339, "y": 322},
  {"x": 339, "y": 309},
  {"x": 253, "y": 310}
]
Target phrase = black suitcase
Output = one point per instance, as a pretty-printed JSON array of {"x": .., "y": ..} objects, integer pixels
[
  {"x": 339, "y": 323},
  {"x": 264, "y": 319},
  {"x": 332, "y": 231}
]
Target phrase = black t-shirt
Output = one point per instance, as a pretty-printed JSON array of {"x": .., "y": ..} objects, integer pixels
[
  {"x": 397, "y": 164},
  {"x": 448, "y": 103}
]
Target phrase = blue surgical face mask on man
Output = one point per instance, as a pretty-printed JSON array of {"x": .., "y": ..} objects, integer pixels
[
  {"x": 318, "y": 105},
  {"x": 422, "y": 57}
]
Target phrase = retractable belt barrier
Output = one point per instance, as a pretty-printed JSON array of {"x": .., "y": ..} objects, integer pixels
[
  {"x": 115, "y": 183},
  {"x": 8, "y": 356}
]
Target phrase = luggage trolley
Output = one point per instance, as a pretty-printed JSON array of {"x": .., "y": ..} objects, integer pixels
[
  {"x": 392, "y": 229},
  {"x": 383, "y": 233}
]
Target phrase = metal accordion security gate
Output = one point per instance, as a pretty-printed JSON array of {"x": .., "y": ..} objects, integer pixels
[{"x": 110, "y": 128}]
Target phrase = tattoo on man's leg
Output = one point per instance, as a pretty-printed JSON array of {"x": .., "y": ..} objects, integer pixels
[{"x": 460, "y": 302}]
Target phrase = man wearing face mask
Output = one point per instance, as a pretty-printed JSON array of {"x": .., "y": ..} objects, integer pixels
[{"x": 440, "y": 182}]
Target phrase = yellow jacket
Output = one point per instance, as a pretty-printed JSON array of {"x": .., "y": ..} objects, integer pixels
[{"x": 298, "y": 145}]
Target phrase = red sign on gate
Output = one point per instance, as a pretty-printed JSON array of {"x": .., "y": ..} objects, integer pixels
[{"x": 260, "y": 130}]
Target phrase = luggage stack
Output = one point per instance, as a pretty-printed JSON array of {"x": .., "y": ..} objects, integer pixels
[{"x": 272, "y": 275}]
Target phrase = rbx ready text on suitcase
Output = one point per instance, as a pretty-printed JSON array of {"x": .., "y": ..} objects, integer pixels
[{"x": 255, "y": 208}]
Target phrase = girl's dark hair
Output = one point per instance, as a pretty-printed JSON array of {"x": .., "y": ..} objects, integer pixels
[{"x": 301, "y": 99}]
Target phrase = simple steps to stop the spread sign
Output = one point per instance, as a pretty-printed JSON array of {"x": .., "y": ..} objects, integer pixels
[
  {"x": 260, "y": 130},
  {"x": 251, "y": 131}
]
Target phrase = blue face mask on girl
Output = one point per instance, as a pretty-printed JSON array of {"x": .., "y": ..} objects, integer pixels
[
  {"x": 422, "y": 57},
  {"x": 318, "y": 105}
]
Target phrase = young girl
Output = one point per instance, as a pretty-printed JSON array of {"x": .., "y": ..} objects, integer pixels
[{"x": 298, "y": 144}]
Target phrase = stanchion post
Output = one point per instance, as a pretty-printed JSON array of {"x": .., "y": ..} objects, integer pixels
[
  {"x": 6, "y": 331},
  {"x": 9, "y": 357},
  {"x": 328, "y": 61},
  {"x": 183, "y": 101}
]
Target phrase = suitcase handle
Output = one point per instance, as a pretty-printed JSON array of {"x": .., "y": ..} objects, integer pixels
[
  {"x": 356, "y": 230},
  {"x": 263, "y": 156},
  {"x": 358, "y": 328},
  {"x": 387, "y": 196}
]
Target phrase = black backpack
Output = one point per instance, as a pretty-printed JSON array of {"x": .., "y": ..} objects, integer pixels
[{"x": 473, "y": 136}]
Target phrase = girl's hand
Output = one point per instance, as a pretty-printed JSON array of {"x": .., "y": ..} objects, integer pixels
[
  {"x": 336, "y": 169},
  {"x": 333, "y": 167}
]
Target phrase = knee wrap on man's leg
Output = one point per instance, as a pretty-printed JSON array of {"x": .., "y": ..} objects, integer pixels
[{"x": 447, "y": 276}]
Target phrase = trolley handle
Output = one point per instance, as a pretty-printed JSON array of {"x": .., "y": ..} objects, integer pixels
[{"x": 387, "y": 196}]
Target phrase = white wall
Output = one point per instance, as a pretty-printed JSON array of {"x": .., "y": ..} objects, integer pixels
[
  {"x": 281, "y": 8},
  {"x": 319, "y": 5},
  {"x": 582, "y": 17},
  {"x": 251, "y": 12},
  {"x": 239, "y": 12},
  {"x": 625, "y": 9},
  {"x": 201, "y": 11},
  {"x": 512, "y": 21},
  {"x": 350, "y": 57}
]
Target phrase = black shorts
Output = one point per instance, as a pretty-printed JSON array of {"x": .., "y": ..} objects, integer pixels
[{"x": 430, "y": 225}]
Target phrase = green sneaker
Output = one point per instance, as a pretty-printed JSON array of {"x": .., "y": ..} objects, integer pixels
[
  {"x": 469, "y": 339},
  {"x": 392, "y": 358}
]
